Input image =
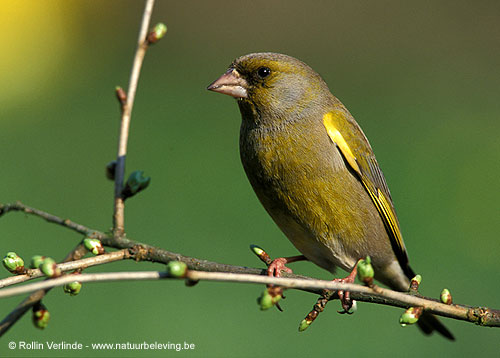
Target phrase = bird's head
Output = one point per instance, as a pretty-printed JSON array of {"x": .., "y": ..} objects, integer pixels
[{"x": 273, "y": 85}]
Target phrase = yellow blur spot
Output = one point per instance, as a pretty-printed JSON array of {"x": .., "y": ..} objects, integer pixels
[{"x": 35, "y": 37}]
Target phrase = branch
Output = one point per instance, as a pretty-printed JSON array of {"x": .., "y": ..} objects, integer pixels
[
  {"x": 119, "y": 207},
  {"x": 479, "y": 315},
  {"x": 85, "y": 277},
  {"x": 138, "y": 250},
  {"x": 68, "y": 266},
  {"x": 144, "y": 252},
  {"x": 18, "y": 206},
  {"x": 78, "y": 252},
  {"x": 207, "y": 270}
]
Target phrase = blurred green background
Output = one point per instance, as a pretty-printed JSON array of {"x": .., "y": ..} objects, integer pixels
[{"x": 421, "y": 78}]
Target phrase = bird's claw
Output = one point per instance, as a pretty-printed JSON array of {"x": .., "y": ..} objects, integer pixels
[
  {"x": 278, "y": 265},
  {"x": 345, "y": 301},
  {"x": 345, "y": 296}
]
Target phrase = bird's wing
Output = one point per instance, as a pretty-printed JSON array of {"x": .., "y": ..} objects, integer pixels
[{"x": 355, "y": 148}]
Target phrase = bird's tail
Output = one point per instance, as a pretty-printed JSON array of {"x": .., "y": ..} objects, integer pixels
[{"x": 429, "y": 323}]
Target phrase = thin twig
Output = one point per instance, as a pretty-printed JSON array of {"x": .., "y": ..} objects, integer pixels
[
  {"x": 18, "y": 206},
  {"x": 479, "y": 315},
  {"x": 77, "y": 253},
  {"x": 490, "y": 317},
  {"x": 20, "y": 310},
  {"x": 119, "y": 207},
  {"x": 68, "y": 266},
  {"x": 85, "y": 277}
]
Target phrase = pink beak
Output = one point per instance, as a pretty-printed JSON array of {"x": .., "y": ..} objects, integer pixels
[{"x": 230, "y": 83}]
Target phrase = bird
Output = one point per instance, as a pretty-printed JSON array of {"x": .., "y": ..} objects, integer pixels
[{"x": 315, "y": 173}]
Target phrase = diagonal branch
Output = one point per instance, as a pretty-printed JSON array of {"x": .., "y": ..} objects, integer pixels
[{"x": 18, "y": 206}]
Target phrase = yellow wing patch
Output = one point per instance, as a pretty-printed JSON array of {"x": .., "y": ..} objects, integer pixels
[
  {"x": 383, "y": 205},
  {"x": 339, "y": 140}
]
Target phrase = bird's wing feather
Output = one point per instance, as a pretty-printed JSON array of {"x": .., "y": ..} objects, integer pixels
[{"x": 357, "y": 152}]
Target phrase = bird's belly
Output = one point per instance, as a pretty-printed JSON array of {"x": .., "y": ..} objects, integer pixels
[
  {"x": 327, "y": 254},
  {"x": 324, "y": 217}
]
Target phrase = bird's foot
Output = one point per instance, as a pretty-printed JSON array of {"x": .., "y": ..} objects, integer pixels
[
  {"x": 274, "y": 269},
  {"x": 344, "y": 296},
  {"x": 277, "y": 265}
]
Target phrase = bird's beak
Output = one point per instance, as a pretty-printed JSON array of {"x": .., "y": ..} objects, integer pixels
[{"x": 230, "y": 83}]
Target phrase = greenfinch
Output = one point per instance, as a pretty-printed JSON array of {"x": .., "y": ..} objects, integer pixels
[{"x": 314, "y": 171}]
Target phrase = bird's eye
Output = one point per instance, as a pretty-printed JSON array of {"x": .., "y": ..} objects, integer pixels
[{"x": 263, "y": 72}]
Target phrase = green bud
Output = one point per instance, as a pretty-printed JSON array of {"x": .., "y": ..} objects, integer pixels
[
  {"x": 136, "y": 182},
  {"x": 36, "y": 261},
  {"x": 365, "y": 270},
  {"x": 257, "y": 250},
  {"x": 266, "y": 300},
  {"x": 93, "y": 245},
  {"x": 73, "y": 288},
  {"x": 417, "y": 279},
  {"x": 415, "y": 283},
  {"x": 304, "y": 324},
  {"x": 261, "y": 254},
  {"x": 160, "y": 30},
  {"x": 13, "y": 263},
  {"x": 111, "y": 166},
  {"x": 41, "y": 316},
  {"x": 177, "y": 269},
  {"x": 446, "y": 297},
  {"x": 157, "y": 33},
  {"x": 409, "y": 317},
  {"x": 49, "y": 267}
]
